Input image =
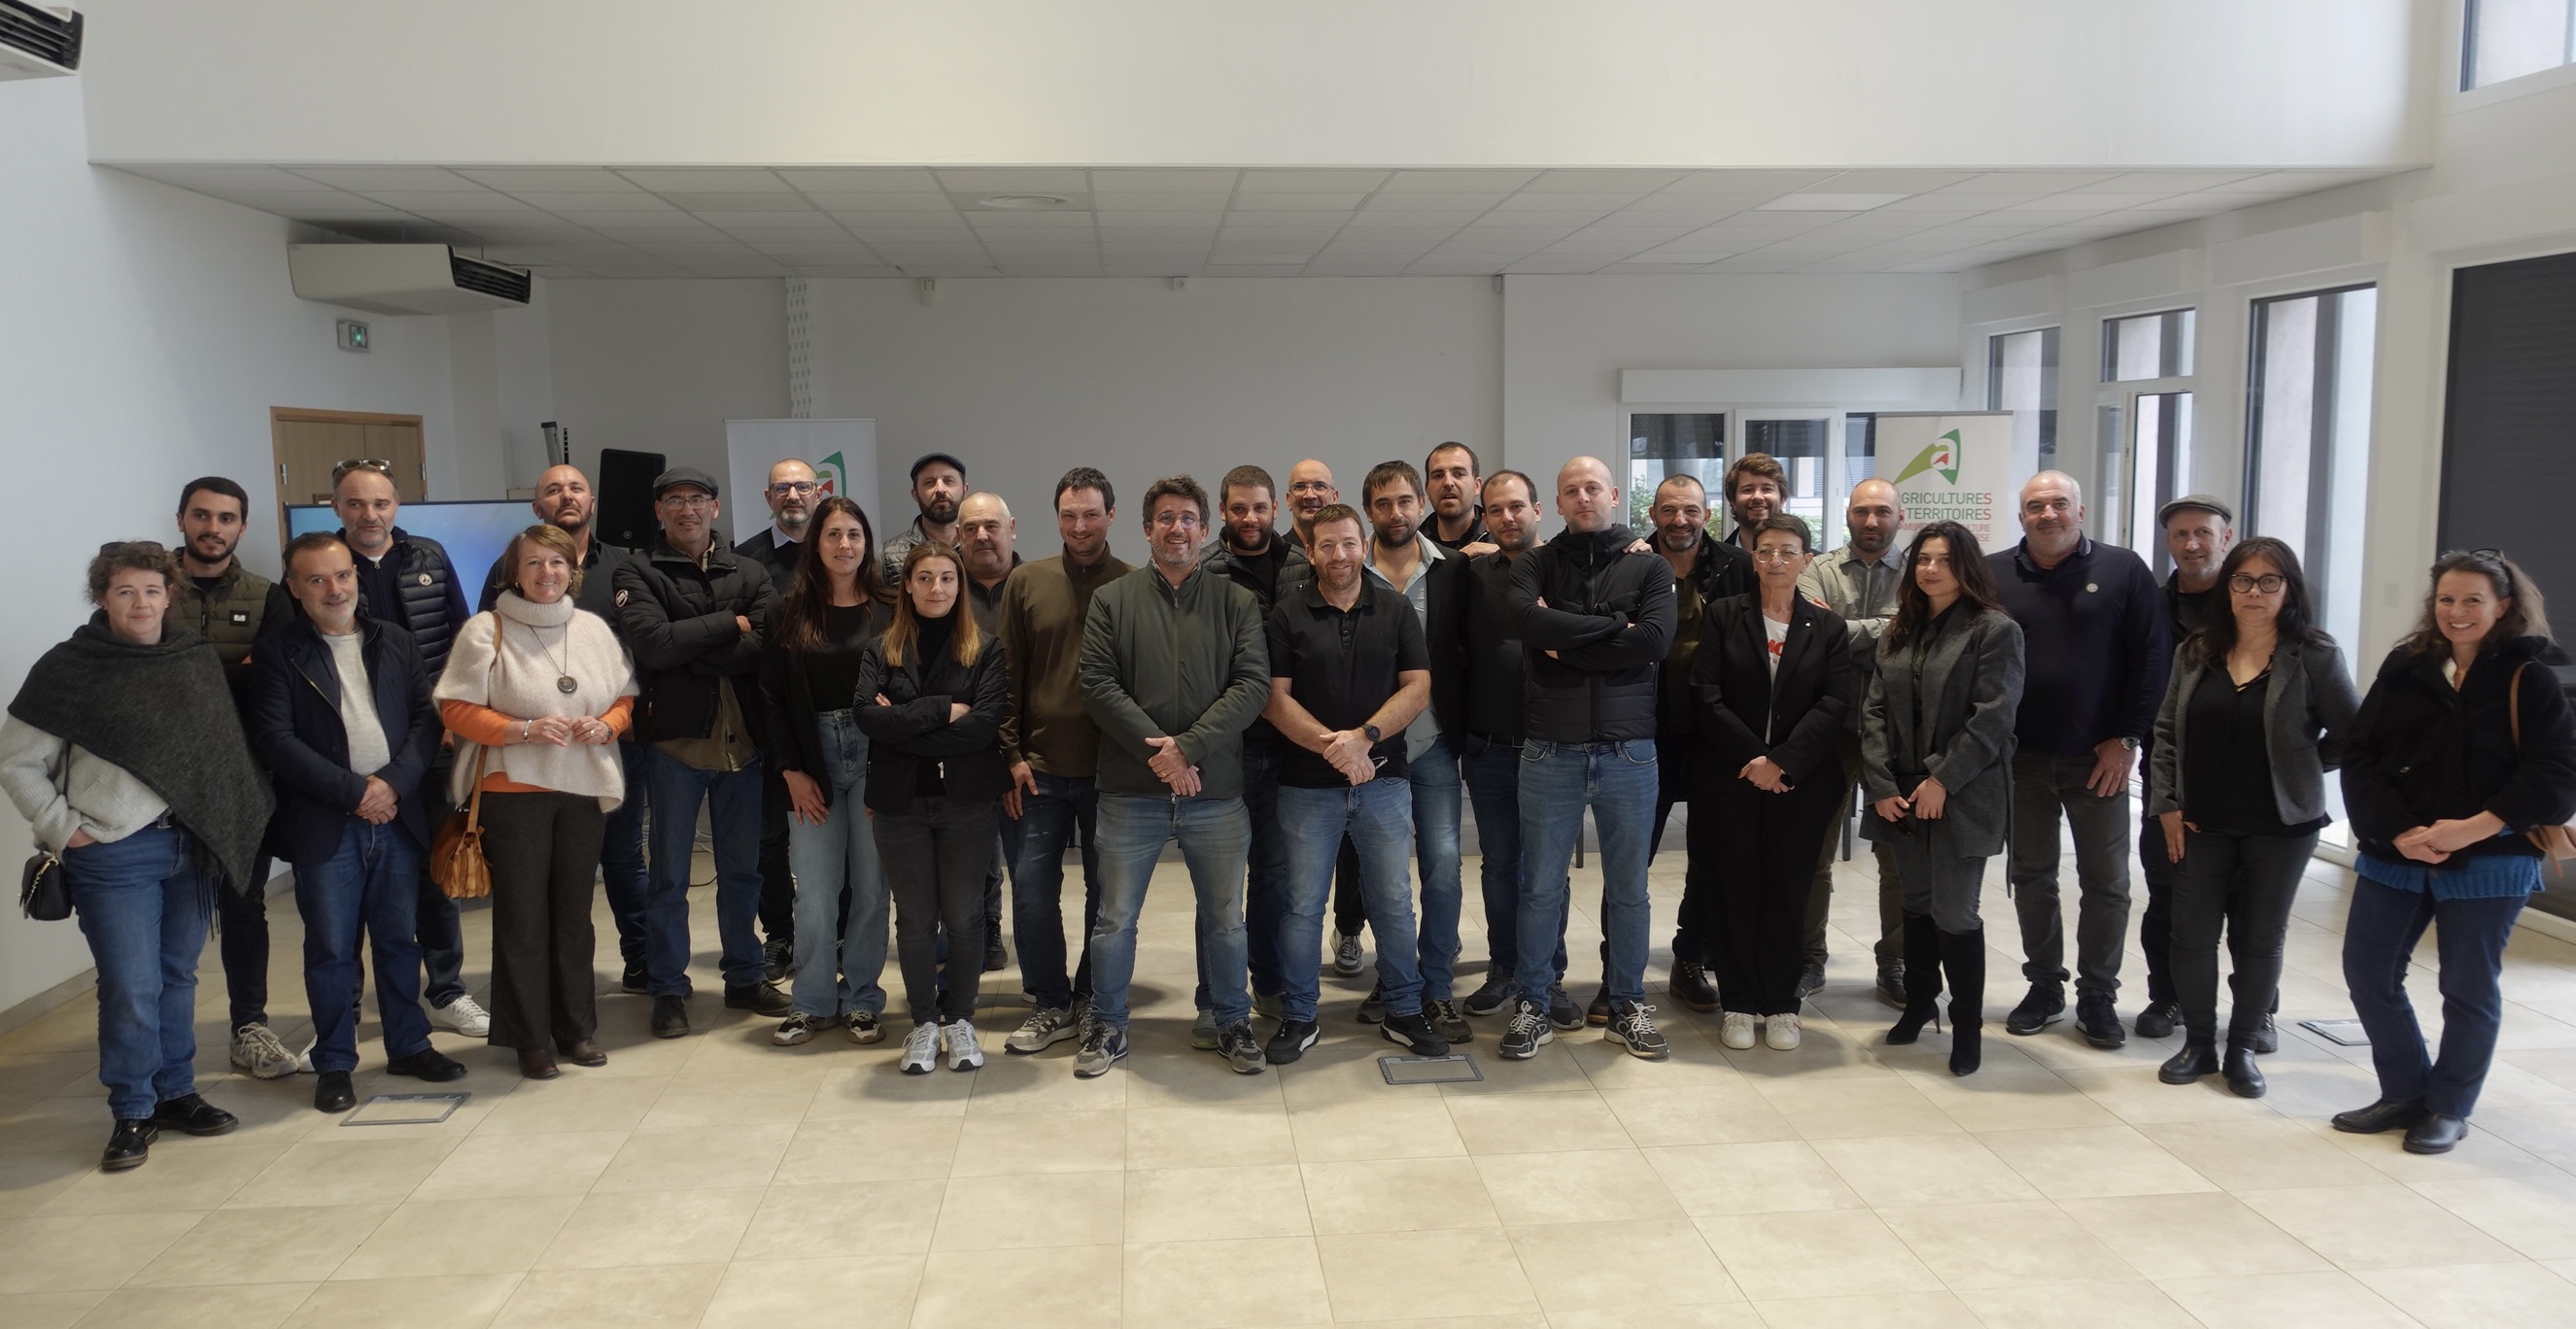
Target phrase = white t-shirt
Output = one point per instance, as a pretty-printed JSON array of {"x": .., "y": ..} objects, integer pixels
[
  {"x": 368, "y": 750},
  {"x": 1776, "y": 637}
]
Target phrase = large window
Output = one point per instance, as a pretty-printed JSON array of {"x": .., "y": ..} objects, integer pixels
[
  {"x": 2307, "y": 431},
  {"x": 2148, "y": 346},
  {"x": 2510, "y": 38},
  {"x": 1824, "y": 451},
  {"x": 1799, "y": 443},
  {"x": 1667, "y": 444},
  {"x": 2142, "y": 442},
  {"x": 2021, "y": 377}
]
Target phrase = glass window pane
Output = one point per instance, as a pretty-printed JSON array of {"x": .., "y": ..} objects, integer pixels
[
  {"x": 1799, "y": 447},
  {"x": 1860, "y": 462},
  {"x": 1667, "y": 444},
  {"x": 2148, "y": 346},
  {"x": 2160, "y": 452},
  {"x": 2308, "y": 439},
  {"x": 2021, "y": 377},
  {"x": 2511, "y": 38},
  {"x": 2106, "y": 497}
]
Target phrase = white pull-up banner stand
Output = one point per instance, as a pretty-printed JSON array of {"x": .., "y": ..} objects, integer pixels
[
  {"x": 1962, "y": 466},
  {"x": 843, "y": 454}
]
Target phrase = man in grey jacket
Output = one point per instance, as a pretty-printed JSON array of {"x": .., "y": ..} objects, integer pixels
[
  {"x": 1860, "y": 582},
  {"x": 1173, "y": 670}
]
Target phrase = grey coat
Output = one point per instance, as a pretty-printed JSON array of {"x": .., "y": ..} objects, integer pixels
[
  {"x": 1947, "y": 709},
  {"x": 2310, "y": 692}
]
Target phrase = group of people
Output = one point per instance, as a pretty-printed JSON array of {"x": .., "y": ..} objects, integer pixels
[{"x": 883, "y": 733}]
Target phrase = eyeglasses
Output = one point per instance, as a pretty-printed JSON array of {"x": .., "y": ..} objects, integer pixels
[
  {"x": 1778, "y": 555},
  {"x": 1309, "y": 487},
  {"x": 793, "y": 488},
  {"x": 377, "y": 464},
  {"x": 2270, "y": 583},
  {"x": 1181, "y": 519},
  {"x": 688, "y": 502}
]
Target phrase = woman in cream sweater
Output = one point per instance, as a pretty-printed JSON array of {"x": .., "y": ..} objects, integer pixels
[{"x": 537, "y": 692}]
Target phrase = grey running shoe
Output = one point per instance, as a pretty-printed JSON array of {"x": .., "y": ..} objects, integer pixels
[
  {"x": 1347, "y": 957},
  {"x": 1102, "y": 1047},
  {"x": 258, "y": 1052},
  {"x": 798, "y": 1028},
  {"x": 1373, "y": 1006},
  {"x": 1242, "y": 1050},
  {"x": 1203, "y": 1035},
  {"x": 1041, "y": 1031},
  {"x": 863, "y": 1027}
]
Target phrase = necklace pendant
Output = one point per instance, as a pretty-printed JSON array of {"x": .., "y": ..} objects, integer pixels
[{"x": 565, "y": 685}]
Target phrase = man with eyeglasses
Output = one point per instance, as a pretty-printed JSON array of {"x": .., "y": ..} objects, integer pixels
[
  {"x": 1310, "y": 487},
  {"x": 792, "y": 493},
  {"x": 938, "y": 487},
  {"x": 696, "y": 617},
  {"x": 407, "y": 580},
  {"x": 2098, "y": 648},
  {"x": 1173, "y": 670}
]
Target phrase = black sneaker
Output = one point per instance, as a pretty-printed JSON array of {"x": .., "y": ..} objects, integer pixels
[
  {"x": 192, "y": 1115},
  {"x": 778, "y": 960},
  {"x": 759, "y": 998},
  {"x": 1810, "y": 979},
  {"x": 1414, "y": 1033},
  {"x": 1491, "y": 999},
  {"x": 2037, "y": 1011},
  {"x": 671, "y": 1016},
  {"x": 1528, "y": 1031},
  {"x": 2266, "y": 1038},
  {"x": 635, "y": 980},
  {"x": 1632, "y": 1025},
  {"x": 129, "y": 1144},
  {"x": 1598, "y": 1013},
  {"x": 1373, "y": 1006},
  {"x": 1561, "y": 1010},
  {"x": 427, "y": 1064},
  {"x": 1290, "y": 1042},
  {"x": 2158, "y": 1019},
  {"x": 1241, "y": 1050},
  {"x": 994, "y": 956},
  {"x": 1444, "y": 1019},
  {"x": 2099, "y": 1020}
]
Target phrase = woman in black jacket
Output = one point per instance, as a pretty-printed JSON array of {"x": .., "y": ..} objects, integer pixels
[
  {"x": 1770, "y": 686},
  {"x": 933, "y": 691},
  {"x": 2462, "y": 749},
  {"x": 2255, "y": 714}
]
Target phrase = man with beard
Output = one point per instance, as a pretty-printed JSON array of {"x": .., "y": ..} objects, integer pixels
[
  {"x": 1860, "y": 582},
  {"x": 1456, "y": 480},
  {"x": 792, "y": 494},
  {"x": 566, "y": 502},
  {"x": 232, "y": 607},
  {"x": 1756, "y": 491},
  {"x": 1248, "y": 552},
  {"x": 938, "y": 486},
  {"x": 988, "y": 539}
]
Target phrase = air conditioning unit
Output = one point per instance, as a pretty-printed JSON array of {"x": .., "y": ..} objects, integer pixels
[
  {"x": 403, "y": 279},
  {"x": 38, "y": 41}
]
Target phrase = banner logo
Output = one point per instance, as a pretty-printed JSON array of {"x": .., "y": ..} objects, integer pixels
[
  {"x": 1940, "y": 457},
  {"x": 831, "y": 476}
]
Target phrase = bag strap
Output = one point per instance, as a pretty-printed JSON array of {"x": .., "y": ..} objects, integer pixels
[{"x": 2513, "y": 705}]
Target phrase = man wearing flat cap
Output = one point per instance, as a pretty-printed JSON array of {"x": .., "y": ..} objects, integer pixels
[
  {"x": 696, "y": 614},
  {"x": 938, "y": 486}
]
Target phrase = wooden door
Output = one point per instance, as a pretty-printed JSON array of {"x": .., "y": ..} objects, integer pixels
[{"x": 309, "y": 443}]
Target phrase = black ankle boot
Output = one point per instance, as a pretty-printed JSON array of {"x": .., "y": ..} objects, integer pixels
[
  {"x": 2199, "y": 1057},
  {"x": 1963, "y": 959},
  {"x": 1922, "y": 980},
  {"x": 2244, "y": 1078}
]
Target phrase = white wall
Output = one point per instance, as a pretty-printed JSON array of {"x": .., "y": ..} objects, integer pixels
[
  {"x": 1277, "y": 82},
  {"x": 659, "y": 366},
  {"x": 146, "y": 333}
]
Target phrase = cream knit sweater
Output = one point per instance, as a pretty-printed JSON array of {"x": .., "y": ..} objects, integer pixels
[{"x": 538, "y": 644}]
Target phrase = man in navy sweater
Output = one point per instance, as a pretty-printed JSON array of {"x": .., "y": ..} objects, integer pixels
[{"x": 2094, "y": 627}]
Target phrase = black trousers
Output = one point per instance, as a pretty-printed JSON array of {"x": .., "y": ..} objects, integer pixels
[
  {"x": 242, "y": 941},
  {"x": 544, "y": 852},
  {"x": 935, "y": 853},
  {"x": 2244, "y": 883},
  {"x": 2163, "y": 877},
  {"x": 1754, "y": 913},
  {"x": 777, "y": 879}
]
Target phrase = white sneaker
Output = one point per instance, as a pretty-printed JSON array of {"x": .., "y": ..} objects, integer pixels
[
  {"x": 463, "y": 1016},
  {"x": 1737, "y": 1032},
  {"x": 958, "y": 1040},
  {"x": 258, "y": 1052},
  {"x": 920, "y": 1049},
  {"x": 1780, "y": 1032}
]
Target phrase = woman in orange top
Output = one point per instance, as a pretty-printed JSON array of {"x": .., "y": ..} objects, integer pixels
[{"x": 537, "y": 692}]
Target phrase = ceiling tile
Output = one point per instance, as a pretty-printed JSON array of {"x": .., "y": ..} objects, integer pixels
[
  {"x": 1174, "y": 201},
  {"x": 1496, "y": 183},
  {"x": 883, "y": 202},
  {"x": 1627, "y": 181},
  {"x": 1892, "y": 182},
  {"x": 371, "y": 178},
  {"x": 1763, "y": 182},
  {"x": 863, "y": 180},
  {"x": 1252, "y": 201},
  {"x": 1218, "y": 182},
  {"x": 2027, "y": 182},
  {"x": 557, "y": 179},
  {"x": 1309, "y": 182},
  {"x": 598, "y": 202},
  {"x": 711, "y": 180},
  {"x": 1568, "y": 202},
  {"x": 291, "y": 205},
  {"x": 1029, "y": 181},
  {"x": 701, "y": 202},
  {"x": 227, "y": 180}
]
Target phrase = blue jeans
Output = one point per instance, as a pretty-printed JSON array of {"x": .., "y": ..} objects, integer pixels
[
  {"x": 1557, "y": 781},
  {"x": 622, "y": 873},
  {"x": 141, "y": 904},
  {"x": 2378, "y": 939},
  {"x": 370, "y": 882},
  {"x": 1376, "y": 816},
  {"x": 1437, "y": 799},
  {"x": 435, "y": 925},
  {"x": 1265, "y": 884},
  {"x": 1215, "y": 836},
  {"x": 1492, "y": 771},
  {"x": 676, "y": 788},
  {"x": 1047, "y": 824},
  {"x": 839, "y": 855}
]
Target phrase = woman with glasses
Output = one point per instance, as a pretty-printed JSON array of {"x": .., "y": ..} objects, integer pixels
[
  {"x": 835, "y": 610},
  {"x": 2463, "y": 751},
  {"x": 2254, "y": 716},
  {"x": 1770, "y": 686},
  {"x": 1936, "y": 746},
  {"x": 931, "y": 692}
]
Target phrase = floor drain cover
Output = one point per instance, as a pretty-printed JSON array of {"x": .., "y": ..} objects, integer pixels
[
  {"x": 405, "y": 1109},
  {"x": 1456, "y": 1068}
]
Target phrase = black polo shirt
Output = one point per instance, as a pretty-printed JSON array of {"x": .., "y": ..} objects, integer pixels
[{"x": 1342, "y": 666}]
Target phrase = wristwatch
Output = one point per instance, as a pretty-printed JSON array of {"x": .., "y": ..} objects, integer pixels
[
  {"x": 1371, "y": 731},
  {"x": 2128, "y": 742}
]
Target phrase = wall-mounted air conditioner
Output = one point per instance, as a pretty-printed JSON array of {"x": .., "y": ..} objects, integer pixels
[
  {"x": 403, "y": 279},
  {"x": 38, "y": 41}
]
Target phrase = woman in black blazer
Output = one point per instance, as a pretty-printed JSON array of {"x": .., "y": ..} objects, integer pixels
[
  {"x": 932, "y": 692},
  {"x": 1770, "y": 687}
]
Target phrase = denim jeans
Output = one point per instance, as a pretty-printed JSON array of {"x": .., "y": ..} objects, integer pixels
[
  {"x": 141, "y": 905},
  {"x": 436, "y": 929},
  {"x": 1618, "y": 781},
  {"x": 1437, "y": 798},
  {"x": 1049, "y": 819},
  {"x": 734, "y": 796},
  {"x": 2043, "y": 786},
  {"x": 622, "y": 873},
  {"x": 242, "y": 941},
  {"x": 1492, "y": 771},
  {"x": 369, "y": 883},
  {"x": 1215, "y": 836},
  {"x": 1265, "y": 883},
  {"x": 838, "y": 856},
  {"x": 1376, "y": 816},
  {"x": 2378, "y": 940}
]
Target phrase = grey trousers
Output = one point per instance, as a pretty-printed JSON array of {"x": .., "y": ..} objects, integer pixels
[
  {"x": 1890, "y": 947},
  {"x": 2045, "y": 786}
]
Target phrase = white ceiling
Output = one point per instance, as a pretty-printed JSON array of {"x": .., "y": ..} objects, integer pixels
[{"x": 926, "y": 222}]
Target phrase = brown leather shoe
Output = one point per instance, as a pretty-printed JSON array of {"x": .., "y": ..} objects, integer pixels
[
  {"x": 538, "y": 1064},
  {"x": 584, "y": 1052}
]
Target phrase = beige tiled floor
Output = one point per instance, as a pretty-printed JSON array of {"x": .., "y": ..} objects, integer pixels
[{"x": 719, "y": 1181}]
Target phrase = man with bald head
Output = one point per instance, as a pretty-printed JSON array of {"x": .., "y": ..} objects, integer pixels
[
  {"x": 2093, "y": 624},
  {"x": 792, "y": 493},
  {"x": 1860, "y": 582},
  {"x": 1595, "y": 621},
  {"x": 1310, "y": 489}
]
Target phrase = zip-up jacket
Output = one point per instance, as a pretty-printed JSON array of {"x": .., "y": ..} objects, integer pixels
[
  {"x": 233, "y": 614},
  {"x": 296, "y": 729},
  {"x": 428, "y": 600},
  {"x": 1045, "y": 605},
  {"x": 916, "y": 730},
  {"x": 1609, "y": 620},
  {"x": 2423, "y": 751},
  {"x": 678, "y": 615},
  {"x": 1189, "y": 662}
]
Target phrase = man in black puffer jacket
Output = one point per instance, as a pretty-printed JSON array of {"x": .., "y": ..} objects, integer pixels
[{"x": 1595, "y": 623}]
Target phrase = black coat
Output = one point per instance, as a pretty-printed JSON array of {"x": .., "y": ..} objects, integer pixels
[
  {"x": 1609, "y": 618},
  {"x": 762, "y": 548},
  {"x": 679, "y": 621},
  {"x": 295, "y": 728},
  {"x": 1736, "y": 699},
  {"x": 2422, "y": 751},
  {"x": 916, "y": 728},
  {"x": 792, "y": 742}
]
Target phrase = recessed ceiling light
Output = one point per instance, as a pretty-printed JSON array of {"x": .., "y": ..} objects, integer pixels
[
  {"x": 1025, "y": 202},
  {"x": 1812, "y": 202}
]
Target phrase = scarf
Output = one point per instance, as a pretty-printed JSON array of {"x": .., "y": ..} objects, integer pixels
[
  {"x": 540, "y": 643},
  {"x": 164, "y": 715}
]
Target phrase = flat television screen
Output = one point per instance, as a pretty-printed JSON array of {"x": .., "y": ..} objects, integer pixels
[{"x": 474, "y": 533}]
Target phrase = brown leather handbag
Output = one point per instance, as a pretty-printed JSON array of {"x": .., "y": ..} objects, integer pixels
[
  {"x": 456, "y": 860},
  {"x": 2557, "y": 844}
]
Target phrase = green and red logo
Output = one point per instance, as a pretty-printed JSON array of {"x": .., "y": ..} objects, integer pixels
[
  {"x": 1940, "y": 457},
  {"x": 832, "y": 476}
]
